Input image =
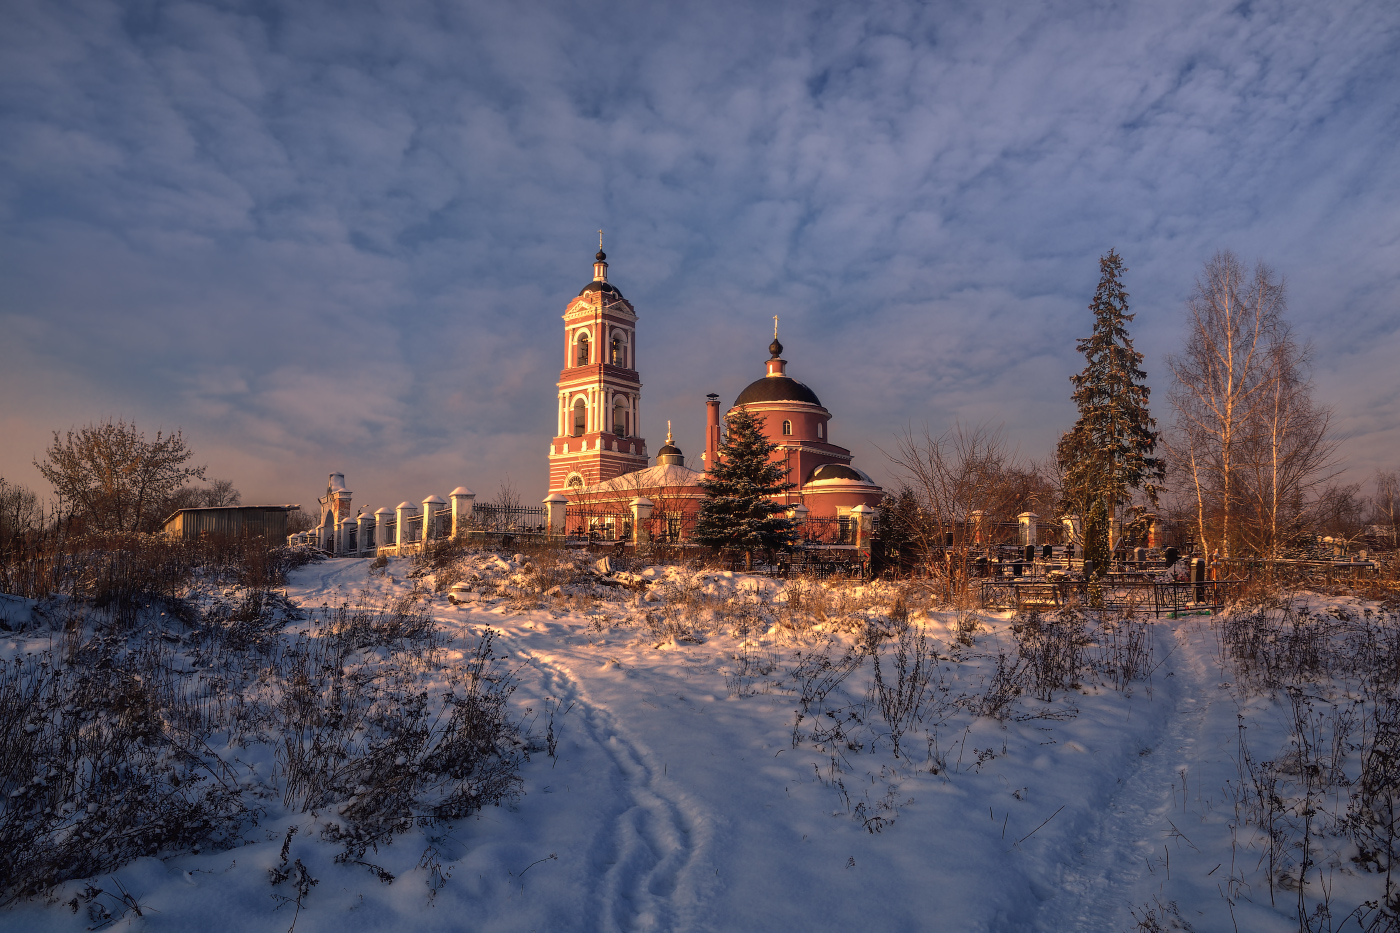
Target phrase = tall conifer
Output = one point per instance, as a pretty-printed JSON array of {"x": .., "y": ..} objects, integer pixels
[
  {"x": 1108, "y": 454},
  {"x": 739, "y": 511}
]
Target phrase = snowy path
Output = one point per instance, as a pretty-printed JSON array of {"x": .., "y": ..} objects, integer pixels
[
  {"x": 1107, "y": 875},
  {"x": 649, "y": 840}
]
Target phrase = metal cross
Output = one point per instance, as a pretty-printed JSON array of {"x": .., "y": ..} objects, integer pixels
[
  {"x": 600, "y": 239},
  {"x": 775, "y": 327}
]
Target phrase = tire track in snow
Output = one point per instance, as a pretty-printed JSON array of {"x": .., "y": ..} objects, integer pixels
[
  {"x": 645, "y": 853},
  {"x": 1098, "y": 888}
]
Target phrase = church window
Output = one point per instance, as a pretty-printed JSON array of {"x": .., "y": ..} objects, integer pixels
[
  {"x": 583, "y": 349},
  {"x": 575, "y": 481},
  {"x": 787, "y": 428},
  {"x": 580, "y": 418},
  {"x": 619, "y": 352},
  {"x": 821, "y": 429},
  {"x": 620, "y": 418}
]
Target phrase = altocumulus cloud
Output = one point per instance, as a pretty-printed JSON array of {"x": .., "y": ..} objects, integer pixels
[{"x": 327, "y": 236}]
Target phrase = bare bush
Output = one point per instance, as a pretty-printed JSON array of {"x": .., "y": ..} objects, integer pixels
[{"x": 914, "y": 664}]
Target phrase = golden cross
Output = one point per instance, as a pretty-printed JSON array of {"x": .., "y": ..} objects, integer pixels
[
  {"x": 600, "y": 239},
  {"x": 775, "y": 327}
]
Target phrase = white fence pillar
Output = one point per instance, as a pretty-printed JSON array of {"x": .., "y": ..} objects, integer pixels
[
  {"x": 403, "y": 516},
  {"x": 383, "y": 528},
  {"x": 641, "y": 520},
  {"x": 556, "y": 508},
  {"x": 431, "y": 506},
  {"x": 864, "y": 517},
  {"x": 364, "y": 533},
  {"x": 342, "y": 538},
  {"x": 463, "y": 501}
]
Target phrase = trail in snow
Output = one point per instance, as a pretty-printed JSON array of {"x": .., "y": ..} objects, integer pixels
[
  {"x": 648, "y": 844},
  {"x": 1101, "y": 885}
]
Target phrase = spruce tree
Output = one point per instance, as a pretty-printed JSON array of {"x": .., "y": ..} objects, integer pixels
[
  {"x": 1108, "y": 454},
  {"x": 739, "y": 511}
]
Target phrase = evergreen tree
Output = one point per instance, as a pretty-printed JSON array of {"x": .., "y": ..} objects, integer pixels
[
  {"x": 1108, "y": 453},
  {"x": 739, "y": 511}
]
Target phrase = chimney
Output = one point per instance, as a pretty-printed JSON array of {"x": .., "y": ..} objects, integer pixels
[{"x": 711, "y": 431}]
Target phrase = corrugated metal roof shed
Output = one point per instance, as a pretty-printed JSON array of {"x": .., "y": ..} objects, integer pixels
[{"x": 233, "y": 521}]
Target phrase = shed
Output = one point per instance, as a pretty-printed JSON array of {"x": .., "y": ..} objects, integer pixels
[{"x": 232, "y": 521}]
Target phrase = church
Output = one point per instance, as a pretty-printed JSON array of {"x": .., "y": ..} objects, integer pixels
[{"x": 598, "y": 460}]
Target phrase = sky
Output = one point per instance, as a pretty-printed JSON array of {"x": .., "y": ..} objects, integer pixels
[{"x": 326, "y": 237}]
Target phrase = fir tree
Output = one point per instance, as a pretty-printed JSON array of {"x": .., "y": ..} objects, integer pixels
[
  {"x": 1108, "y": 453},
  {"x": 739, "y": 511}
]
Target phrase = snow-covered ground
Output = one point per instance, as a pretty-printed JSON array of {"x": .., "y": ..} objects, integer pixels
[{"x": 684, "y": 793}]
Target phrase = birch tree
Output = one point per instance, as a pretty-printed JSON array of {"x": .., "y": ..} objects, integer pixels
[{"x": 1248, "y": 436}]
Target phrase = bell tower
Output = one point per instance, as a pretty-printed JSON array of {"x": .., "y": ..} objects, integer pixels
[{"x": 598, "y": 436}]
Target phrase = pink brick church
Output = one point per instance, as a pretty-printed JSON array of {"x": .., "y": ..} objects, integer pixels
[{"x": 598, "y": 459}]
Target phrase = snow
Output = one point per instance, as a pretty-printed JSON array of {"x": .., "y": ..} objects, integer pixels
[{"x": 677, "y": 800}]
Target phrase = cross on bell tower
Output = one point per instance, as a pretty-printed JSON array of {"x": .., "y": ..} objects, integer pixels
[{"x": 599, "y": 389}]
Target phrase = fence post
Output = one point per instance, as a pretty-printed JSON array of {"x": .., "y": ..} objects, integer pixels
[
  {"x": 402, "y": 515},
  {"x": 342, "y": 538},
  {"x": 364, "y": 537},
  {"x": 865, "y": 518},
  {"x": 431, "y": 505},
  {"x": 381, "y": 527},
  {"x": 463, "y": 499},
  {"x": 641, "y": 521},
  {"x": 556, "y": 508}
]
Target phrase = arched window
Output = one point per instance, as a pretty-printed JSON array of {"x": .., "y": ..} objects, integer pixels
[
  {"x": 583, "y": 349},
  {"x": 821, "y": 429},
  {"x": 619, "y": 351},
  {"x": 575, "y": 481},
  {"x": 580, "y": 418},
  {"x": 620, "y": 417},
  {"x": 787, "y": 428}
]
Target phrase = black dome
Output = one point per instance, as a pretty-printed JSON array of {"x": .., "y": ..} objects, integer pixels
[
  {"x": 600, "y": 287},
  {"x": 777, "y": 389},
  {"x": 837, "y": 471}
]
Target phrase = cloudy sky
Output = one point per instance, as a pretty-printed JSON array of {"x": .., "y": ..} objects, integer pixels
[{"x": 329, "y": 236}]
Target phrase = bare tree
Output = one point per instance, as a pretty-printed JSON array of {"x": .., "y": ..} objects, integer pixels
[
  {"x": 19, "y": 512},
  {"x": 1385, "y": 507},
  {"x": 1287, "y": 458},
  {"x": 218, "y": 493},
  {"x": 111, "y": 476},
  {"x": 954, "y": 477},
  {"x": 1339, "y": 510},
  {"x": 1248, "y": 437}
]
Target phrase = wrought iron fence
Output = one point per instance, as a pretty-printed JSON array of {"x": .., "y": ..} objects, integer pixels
[
  {"x": 826, "y": 530},
  {"x": 1116, "y": 595},
  {"x": 510, "y": 519},
  {"x": 599, "y": 526}
]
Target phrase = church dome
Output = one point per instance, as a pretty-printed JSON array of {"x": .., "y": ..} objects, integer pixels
[
  {"x": 839, "y": 471},
  {"x": 595, "y": 286},
  {"x": 777, "y": 389}
]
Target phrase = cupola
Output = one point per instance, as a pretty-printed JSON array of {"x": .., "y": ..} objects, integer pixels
[{"x": 670, "y": 454}]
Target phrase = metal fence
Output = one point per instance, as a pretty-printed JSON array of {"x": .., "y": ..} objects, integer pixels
[
  {"x": 599, "y": 526},
  {"x": 510, "y": 519},
  {"x": 1173, "y": 598},
  {"x": 826, "y": 530}
]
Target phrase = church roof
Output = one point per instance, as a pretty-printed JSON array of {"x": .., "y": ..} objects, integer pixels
[
  {"x": 838, "y": 471},
  {"x": 641, "y": 482},
  {"x": 777, "y": 389},
  {"x": 597, "y": 286}
]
